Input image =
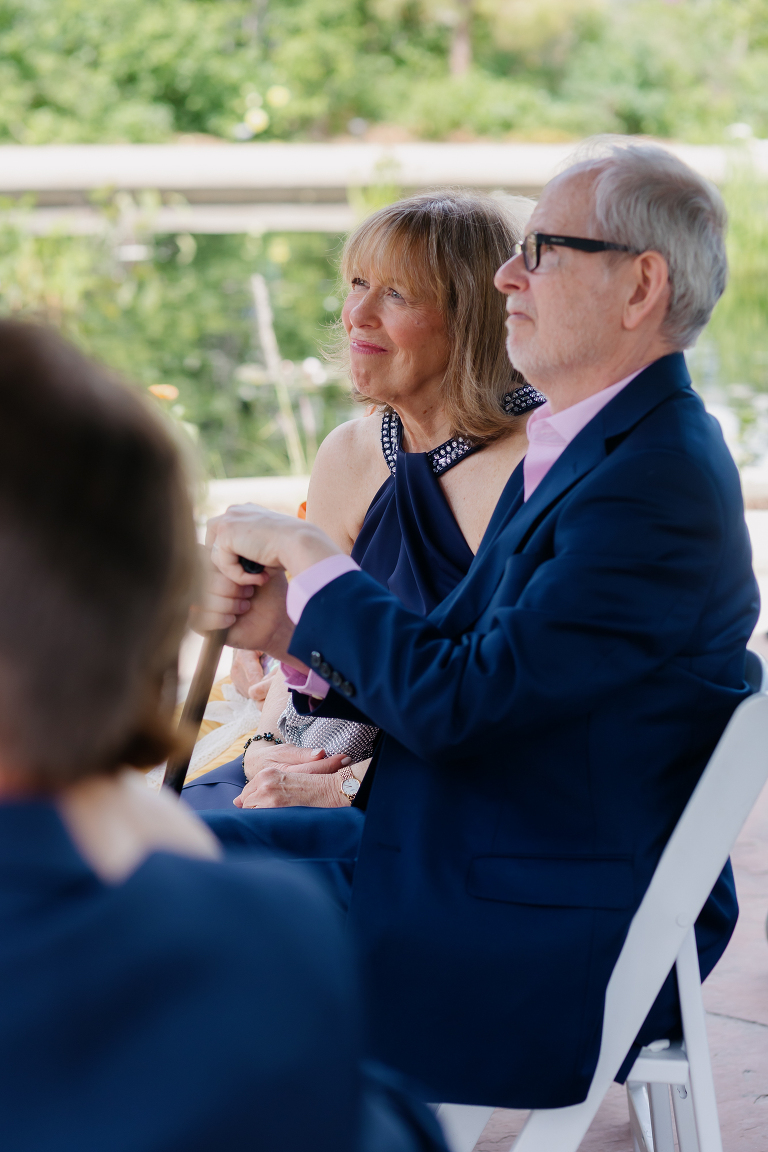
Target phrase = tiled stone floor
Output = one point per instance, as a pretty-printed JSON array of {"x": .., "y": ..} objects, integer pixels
[{"x": 736, "y": 998}]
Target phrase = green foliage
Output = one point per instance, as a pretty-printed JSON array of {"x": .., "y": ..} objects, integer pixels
[
  {"x": 149, "y": 70},
  {"x": 479, "y": 105},
  {"x": 120, "y": 69},
  {"x": 183, "y": 319},
  {"x": 144, "y": 70},
  {"x": 730, "y": 362},
  {"x": 738, "y": 327},
  {"x": 672, "y": 69}
]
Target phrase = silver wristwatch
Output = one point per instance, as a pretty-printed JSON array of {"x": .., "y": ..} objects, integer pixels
[{"x": 349, "y": 783}]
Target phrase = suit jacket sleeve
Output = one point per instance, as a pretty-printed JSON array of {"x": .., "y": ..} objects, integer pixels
[{"x": 618, "y": 592}]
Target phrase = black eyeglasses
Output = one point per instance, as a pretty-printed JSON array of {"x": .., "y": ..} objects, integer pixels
[{"x": 531, "y": 246}]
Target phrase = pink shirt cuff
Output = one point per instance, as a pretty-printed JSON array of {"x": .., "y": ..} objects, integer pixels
[
  {"x": 300, "y": 590},
  {"x": 304, "y": 586},
  {"x": 309, "y": 683}
]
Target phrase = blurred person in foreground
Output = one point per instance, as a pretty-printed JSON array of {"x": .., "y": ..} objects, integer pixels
[
  {"x": 153, "y": 997},
  {"x": 547, "y": 723},
  {"x": 408, "y": 490}
]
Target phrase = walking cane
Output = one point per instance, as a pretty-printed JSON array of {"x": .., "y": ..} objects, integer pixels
[{"x": 199, "y": 691}]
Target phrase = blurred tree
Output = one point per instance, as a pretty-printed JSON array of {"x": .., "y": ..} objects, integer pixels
[
  {"x": 685, "y": 70},
  {"x": 177, "y": 313},
  {"x": 179, "y": 321},
  {"x": 283, "y": 69},
  {"x": 460, "y": 58},
  {"x": 730, "y": 363},
  {"x": 536, "y": 36},
  {"x": 123, "y": 69}
]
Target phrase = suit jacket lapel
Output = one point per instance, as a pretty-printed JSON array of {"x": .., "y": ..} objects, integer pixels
[
  {"x": 459, "y": 610},
  {"x": 510, "y": 501},
  {"x": 465, "y": 603}
]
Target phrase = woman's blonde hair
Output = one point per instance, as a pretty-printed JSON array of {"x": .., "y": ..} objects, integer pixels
[{"x": 444, "y": 247}]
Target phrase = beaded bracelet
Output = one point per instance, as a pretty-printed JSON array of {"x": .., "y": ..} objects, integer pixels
[{"x": 250, "y": 740}]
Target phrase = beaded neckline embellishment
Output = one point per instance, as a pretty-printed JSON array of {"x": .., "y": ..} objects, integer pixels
[
  {"x": 523, "y": 400},
  {"x": 446, "y": 455}
]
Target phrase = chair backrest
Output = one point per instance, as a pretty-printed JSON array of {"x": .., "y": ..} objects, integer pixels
[{"x": 686, "y": 873}]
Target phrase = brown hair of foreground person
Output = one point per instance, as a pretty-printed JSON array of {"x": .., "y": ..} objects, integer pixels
[
  {"x": 97, "y": 555},
  {"x": 444, "y": 248}
]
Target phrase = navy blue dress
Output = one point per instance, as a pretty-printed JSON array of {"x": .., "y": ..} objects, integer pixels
[{"x": 410, "y": 542}]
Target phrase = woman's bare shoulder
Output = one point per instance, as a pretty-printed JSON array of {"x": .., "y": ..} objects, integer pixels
[
  {"x": 352, "y": 448},
  {"x": 348, "y": 471},
  {"x": 354, "y": 435},
  {"x": 473, "y": 488}
]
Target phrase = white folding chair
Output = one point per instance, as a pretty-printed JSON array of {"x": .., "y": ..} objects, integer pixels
[
  {"x": 756, "y": 671},
  {"x": 661, "y": 935}
]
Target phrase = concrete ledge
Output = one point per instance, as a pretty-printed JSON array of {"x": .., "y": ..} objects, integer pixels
[
  {"x": 280, "y": 493},
  {"x": 754, "y": 484},
  {"x": 285, "y": 493}
]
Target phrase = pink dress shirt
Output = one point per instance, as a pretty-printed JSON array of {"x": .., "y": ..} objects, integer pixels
[
  {"x": 301, "y": 589},
  {"x": 548, "y": 437}
]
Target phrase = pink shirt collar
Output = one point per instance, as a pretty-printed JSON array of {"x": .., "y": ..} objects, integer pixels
[{"x": 549, "y": 434}]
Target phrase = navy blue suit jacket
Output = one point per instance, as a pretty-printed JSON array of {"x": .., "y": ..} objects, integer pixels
[
  {"x": 196, "y": 1006},
  {"x": 545, "y": 727}
]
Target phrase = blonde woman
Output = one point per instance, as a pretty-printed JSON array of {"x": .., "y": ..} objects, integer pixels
[{"x": 409, "y": 490}]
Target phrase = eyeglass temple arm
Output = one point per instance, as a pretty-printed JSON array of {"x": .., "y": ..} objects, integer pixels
[{"x": 583, "y": 244}]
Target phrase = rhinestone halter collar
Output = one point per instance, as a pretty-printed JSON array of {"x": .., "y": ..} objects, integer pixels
[{"x": 446, "y": 455}]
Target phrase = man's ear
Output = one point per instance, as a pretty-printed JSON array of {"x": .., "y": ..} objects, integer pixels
[{"x": 649, "y": 290}]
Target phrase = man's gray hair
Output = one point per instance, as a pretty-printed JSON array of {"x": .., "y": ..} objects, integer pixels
[{"x": 649, "y": 200}]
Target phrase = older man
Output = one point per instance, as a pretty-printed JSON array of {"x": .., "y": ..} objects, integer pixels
[{"x": 546, "y": 725}]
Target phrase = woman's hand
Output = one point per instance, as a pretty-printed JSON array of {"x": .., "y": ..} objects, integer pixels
[
  {"x": 286, "y": 776},
  {"x": 249, "y": 677},
  {"x": 264, "y": 754}
]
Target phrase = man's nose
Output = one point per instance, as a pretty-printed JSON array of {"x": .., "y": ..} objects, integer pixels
[{"x": 512, "y": 276}]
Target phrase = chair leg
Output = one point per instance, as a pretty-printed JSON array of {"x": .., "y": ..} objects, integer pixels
[
  {"x": 661, "y": 1118},
  {"x": 640, "y": 1116},
  {"x": 685, "y": 1121},
  {"x": 702, "y": 1086}
]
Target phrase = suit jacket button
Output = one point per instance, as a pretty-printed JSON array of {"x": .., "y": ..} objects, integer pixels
[
  {"x": 336, "y": 679},
  {"x": 347, "y": 688},
  {"x": 316, "y": 659},
  {"x": 325, "y": 669}
]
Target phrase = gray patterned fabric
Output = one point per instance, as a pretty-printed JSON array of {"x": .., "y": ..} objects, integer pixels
[{"x": 327, "y": 732}]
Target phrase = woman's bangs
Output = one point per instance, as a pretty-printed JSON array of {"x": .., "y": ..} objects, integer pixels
[{"x": 392, "y": 254}]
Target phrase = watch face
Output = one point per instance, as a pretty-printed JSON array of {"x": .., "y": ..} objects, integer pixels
[{"x": 350, "y": 787}]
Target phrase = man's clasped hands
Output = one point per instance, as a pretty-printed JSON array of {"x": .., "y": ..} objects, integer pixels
[{"x": 253, "y": 608}]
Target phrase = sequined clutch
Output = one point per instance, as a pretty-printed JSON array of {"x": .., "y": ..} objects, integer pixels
[{"x": 333, "y": 735}]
